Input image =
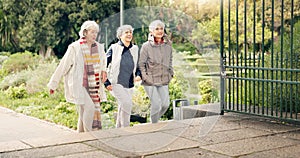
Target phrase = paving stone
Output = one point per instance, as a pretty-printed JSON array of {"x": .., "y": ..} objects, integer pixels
[
  {"x": 16, "y": 126},
  {"x": 90, "y": 154},
  {"x": 231, "y": 135},
  {"x": 193, "y": 133},
  {"x": 293, "y": 134},
  {"x": 108, "y": 149},
  {"x": 178, "y": 144},
  {"x": 287, "y": 152},
  {"x": 60, "y": 139},
  {"x": 268, "y": 126},
  {"x": 12, "y": 145},
  {"x": 229, "y": 125},
  {"x": 187, "y": 153},
  {"x": 147, "y": 128},
  {"x": 142, "y": 144},
  {"x": 215, "y": 124},
  {"x": 50, "y": 151},
  {"x": 190, "y": 132},
  {"x": 250, "y": 145}
]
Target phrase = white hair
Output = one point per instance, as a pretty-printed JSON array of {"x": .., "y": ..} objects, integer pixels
[
  {"x": 156, "y": 23},
  {"x": 122, "y": 29},
  {"x": 87, "y": 25}
]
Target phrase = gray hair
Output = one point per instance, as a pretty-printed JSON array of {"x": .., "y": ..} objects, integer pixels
[
  {"x": 156, "y": 23},
  {"x": 122, "y": 29},
  {"x": 87, "y": 25}
]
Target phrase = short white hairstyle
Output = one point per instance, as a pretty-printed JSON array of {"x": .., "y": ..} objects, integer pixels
[
  {"x": 156, "y": 23},
  {"x": 122, "y": 29},
  {"x": 87, "y": 25}
]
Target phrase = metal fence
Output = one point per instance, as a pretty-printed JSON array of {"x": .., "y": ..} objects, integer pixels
[{"x": 260, "y": 58}]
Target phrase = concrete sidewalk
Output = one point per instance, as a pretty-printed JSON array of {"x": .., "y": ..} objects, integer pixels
[
  {"x": 231, "y": 135},
  {"x": 16, "y": 126}
]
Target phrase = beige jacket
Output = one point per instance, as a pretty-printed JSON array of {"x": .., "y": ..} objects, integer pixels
[
  {"x": 71, "y": 67},
  {"x": 155, "y": 62}
]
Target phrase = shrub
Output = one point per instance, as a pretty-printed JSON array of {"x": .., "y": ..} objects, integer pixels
[
  {"x": 14, "y": 80},
  {"x": 176, "y": 88},
  {"x": 208, "y": 93},
  {"x": 110, "y": 104},
  {"x": 20, "y": 61},
  {"x": 17, "y": 92},
  {"x": 3, "y": 72},
  {"x": 39, "y": 78},
  {"x": 141, "y": 101}
]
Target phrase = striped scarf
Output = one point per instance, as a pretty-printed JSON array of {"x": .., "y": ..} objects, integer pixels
[{"x": 91, "y": 76}]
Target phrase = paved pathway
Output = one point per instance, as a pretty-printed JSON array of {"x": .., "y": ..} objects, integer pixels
[
  {"x": 231, "y": 135},
  {"x": 15, "y": 126}
]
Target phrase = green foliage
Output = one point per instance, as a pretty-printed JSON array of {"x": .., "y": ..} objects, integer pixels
[
  {"x": 20, "y": 61},
  {"x": 14, "y": 80},
  {"x": 39, "y": 77},
  {"x": 3, "y": 57},
  {"x": 31, "y": 72},
  {"x": 17, "y": 92},
  {"x": 40, "y": 25},
  {"x": 279, "y": 96},
  {"x": 187, "y": 47},
  {"x": 208, "y": 93},
  {"x": 110, "y": 104},
  {"x": 176, "y": 89},
  {"x": 52, "y": 108},
  {"x": 141, "y": 102}
]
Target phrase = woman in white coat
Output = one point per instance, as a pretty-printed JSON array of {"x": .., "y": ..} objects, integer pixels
[
  {"x": 122, "y": 59},
  {"x": 84, "y": 70}
]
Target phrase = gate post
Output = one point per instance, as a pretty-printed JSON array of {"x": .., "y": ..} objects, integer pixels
[{"x": 222, "y": 69}]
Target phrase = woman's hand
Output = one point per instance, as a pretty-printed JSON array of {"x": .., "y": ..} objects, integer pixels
[
  {"x": 109, "y": 87},
  {"x": 51, "y": 91},
  {"x": 137, "y": 79},
  {"x": 103, "y": 76}
]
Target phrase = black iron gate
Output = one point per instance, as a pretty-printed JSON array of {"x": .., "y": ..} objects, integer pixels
[{"x": 260, "y": 58}]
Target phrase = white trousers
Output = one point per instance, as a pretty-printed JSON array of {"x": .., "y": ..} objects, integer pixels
[
  {"x": 86, "y": 114},
  {"x": 160, "y": 100},
  {"x": 124, "y": 100}
]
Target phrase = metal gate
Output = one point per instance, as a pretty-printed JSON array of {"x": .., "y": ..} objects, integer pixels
[{"x": 260, "y": 58}]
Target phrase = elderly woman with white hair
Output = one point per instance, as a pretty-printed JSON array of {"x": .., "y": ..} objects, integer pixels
[
  {"x": 155, "y": 64},
  {"x": 122, "y": 59},
  {"x": 84, "y": 70}
]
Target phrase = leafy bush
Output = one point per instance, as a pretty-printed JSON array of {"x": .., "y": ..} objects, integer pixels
[
  {"x": 3, "y": 72},
  {"x": 186, "y": 46},
  {"x": 14, "y": 80},
  {"x": 141, "y": 102},
  {"x": 39, "y": 78},
  {"x": 20, "y": 61},
  {"x": 110, "y": 104},
  {"x": 176, "y": 89},
  {"x": 208, "y": 93},
  {"x": 2, "y": 59},
  {"x": 17, "y": 92}
]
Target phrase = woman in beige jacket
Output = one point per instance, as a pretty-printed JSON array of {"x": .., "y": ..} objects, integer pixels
[
  {"x": 84, "y": 70},
  {"x": 155, "y": 64}
]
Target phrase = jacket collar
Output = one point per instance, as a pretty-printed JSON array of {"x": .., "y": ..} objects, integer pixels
[
  {"x": 152, "y": 42},
  {"x": 122, "y": 44}
]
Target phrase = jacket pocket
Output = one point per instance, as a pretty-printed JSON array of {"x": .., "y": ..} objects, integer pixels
[{"x": 148, "y": 79}]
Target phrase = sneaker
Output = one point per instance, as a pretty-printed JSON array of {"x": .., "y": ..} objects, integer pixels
[{"x": 95, "y": 124}]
